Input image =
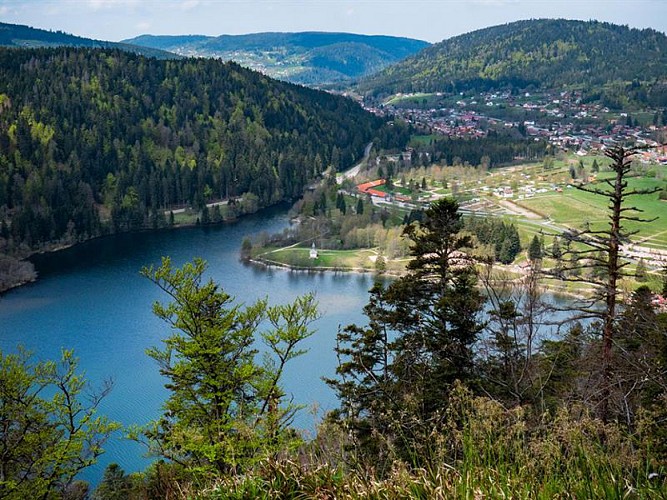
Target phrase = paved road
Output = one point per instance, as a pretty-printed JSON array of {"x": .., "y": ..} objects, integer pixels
[{"x": 354, "y": 171}]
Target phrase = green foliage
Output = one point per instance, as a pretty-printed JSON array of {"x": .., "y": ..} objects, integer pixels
[
  {"x": 226, "y": 410},
  {"x": 16, "y": 35},
  {"x": 488, "y": 451},
  {"x": 115, "y": 484},
  {"x": 503, "y": 237},
  {"x": 360, "y": 206},
  {"x": 246, "y": 249},
  {"x": 50, "y": 429},
  {"x": 494, "y": 149},
  {"x": 535, "y": 249},
  {"x": 380, "y": 264},
  {"x": 641, "y": 271},
  {"x": 196, "y": 131}
]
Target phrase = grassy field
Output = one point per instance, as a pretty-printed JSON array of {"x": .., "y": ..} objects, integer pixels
[
  {"x": 417, "y": 98},
  {"x": 575, "y": 208},
  {"x": 299, "y": 257}
]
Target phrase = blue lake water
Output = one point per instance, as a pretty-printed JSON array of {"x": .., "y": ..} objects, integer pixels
[{"x": 91, "y": 298}]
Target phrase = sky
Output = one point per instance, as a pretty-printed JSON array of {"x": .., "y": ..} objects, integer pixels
[{"x": 430, "y": 20}]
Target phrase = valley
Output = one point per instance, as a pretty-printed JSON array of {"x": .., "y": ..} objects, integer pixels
[{"x": 443, "y": 277}]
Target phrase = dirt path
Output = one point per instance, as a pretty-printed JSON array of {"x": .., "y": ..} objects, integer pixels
[{"x": 518, "y": 210}]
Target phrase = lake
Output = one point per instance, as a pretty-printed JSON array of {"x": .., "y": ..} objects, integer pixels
[{"x": 91, "y": 298}]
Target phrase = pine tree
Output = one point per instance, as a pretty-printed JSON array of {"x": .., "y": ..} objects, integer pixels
[
  {"x": 641, "y": 271},
  {"x": 556, "y": 252},
  {"x": 115, "y": 485}
]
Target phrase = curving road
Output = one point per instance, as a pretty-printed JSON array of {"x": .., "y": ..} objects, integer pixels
[{"x": 354, "y": 171}]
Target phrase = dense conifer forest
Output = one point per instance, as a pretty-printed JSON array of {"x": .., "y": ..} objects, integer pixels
[
  {"x": 17, "y": 35},
  {"x": 100, "y": 141}
]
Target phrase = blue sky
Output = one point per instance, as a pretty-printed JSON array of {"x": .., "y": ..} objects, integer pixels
[{"x": 431, "y": 20}]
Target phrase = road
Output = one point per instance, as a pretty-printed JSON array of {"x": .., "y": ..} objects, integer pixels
[{"x": 354, "y": 171}]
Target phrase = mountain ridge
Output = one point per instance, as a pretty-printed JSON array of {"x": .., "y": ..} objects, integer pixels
[
  {"x": 308, "y": 57},
  {"x": 22, "y": 36},
  {"x": 539, "y": 52},
  {"x": 98, "y": 141}
]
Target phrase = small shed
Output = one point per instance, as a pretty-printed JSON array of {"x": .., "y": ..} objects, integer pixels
[{"x": 313, "y": 251}]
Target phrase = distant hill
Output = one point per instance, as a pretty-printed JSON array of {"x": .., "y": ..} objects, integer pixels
[
  {"x": 16, "y": 35},
  {"x": 551, "y": 53},
  {"x": 306, "y": 58}
]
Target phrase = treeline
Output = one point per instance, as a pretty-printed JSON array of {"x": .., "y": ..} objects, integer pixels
[
  {"x": 96, "y": 141},
  {"x": 494, "y": 150},
  {"x": 502, "y": 238},
  {"x": 337, "y": 221},
  {"x": 621, "y": 95}
]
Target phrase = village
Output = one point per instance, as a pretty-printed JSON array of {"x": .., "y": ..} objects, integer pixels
[{"x": 562, "y": 119}]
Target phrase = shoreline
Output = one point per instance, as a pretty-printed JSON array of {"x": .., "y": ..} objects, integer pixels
[
  {"x": 266, "y": 263},
  {"x": 261, "y": 262},
  {"x": 58, "y": 247},
  {"x": 15, "y": 272}
]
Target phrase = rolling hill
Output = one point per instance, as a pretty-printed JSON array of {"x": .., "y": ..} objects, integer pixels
[
  {"x": 16, "y": 35},
  {"x": 308, "y": 57},
  {"x": 543, "y": 53}
]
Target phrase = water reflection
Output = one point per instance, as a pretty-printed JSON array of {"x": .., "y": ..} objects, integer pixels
[{"x": 91, "y": 298}]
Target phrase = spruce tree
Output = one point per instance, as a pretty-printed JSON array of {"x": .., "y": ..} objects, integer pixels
[
  {"x": 640, "y": 271},
  {"x": 592, "y": 249},
  {"x": 395, "y": 386},
  {"x": 360, "y": 206},
  {"x": 535, "y": 249}
]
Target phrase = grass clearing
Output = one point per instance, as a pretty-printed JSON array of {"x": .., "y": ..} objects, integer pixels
[{"x": 299, "y": 258}]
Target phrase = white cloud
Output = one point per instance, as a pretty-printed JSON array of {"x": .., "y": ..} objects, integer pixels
[
  {"x": 109, "y": 4},
  {"x": 190, "y": 4},
  {"x": 494, "y": 3},
  {"x": 143, "y": 25}
]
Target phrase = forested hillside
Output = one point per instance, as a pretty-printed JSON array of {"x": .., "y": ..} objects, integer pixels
[
  {"x": 98, "y": 141},
  {"x": 546, "y": 53},
  {"x": 304, "y": 57},
  {"x": 17, "y": 35}
]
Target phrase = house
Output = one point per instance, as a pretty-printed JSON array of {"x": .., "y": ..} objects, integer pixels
[{"x": 313, "y": 251}]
